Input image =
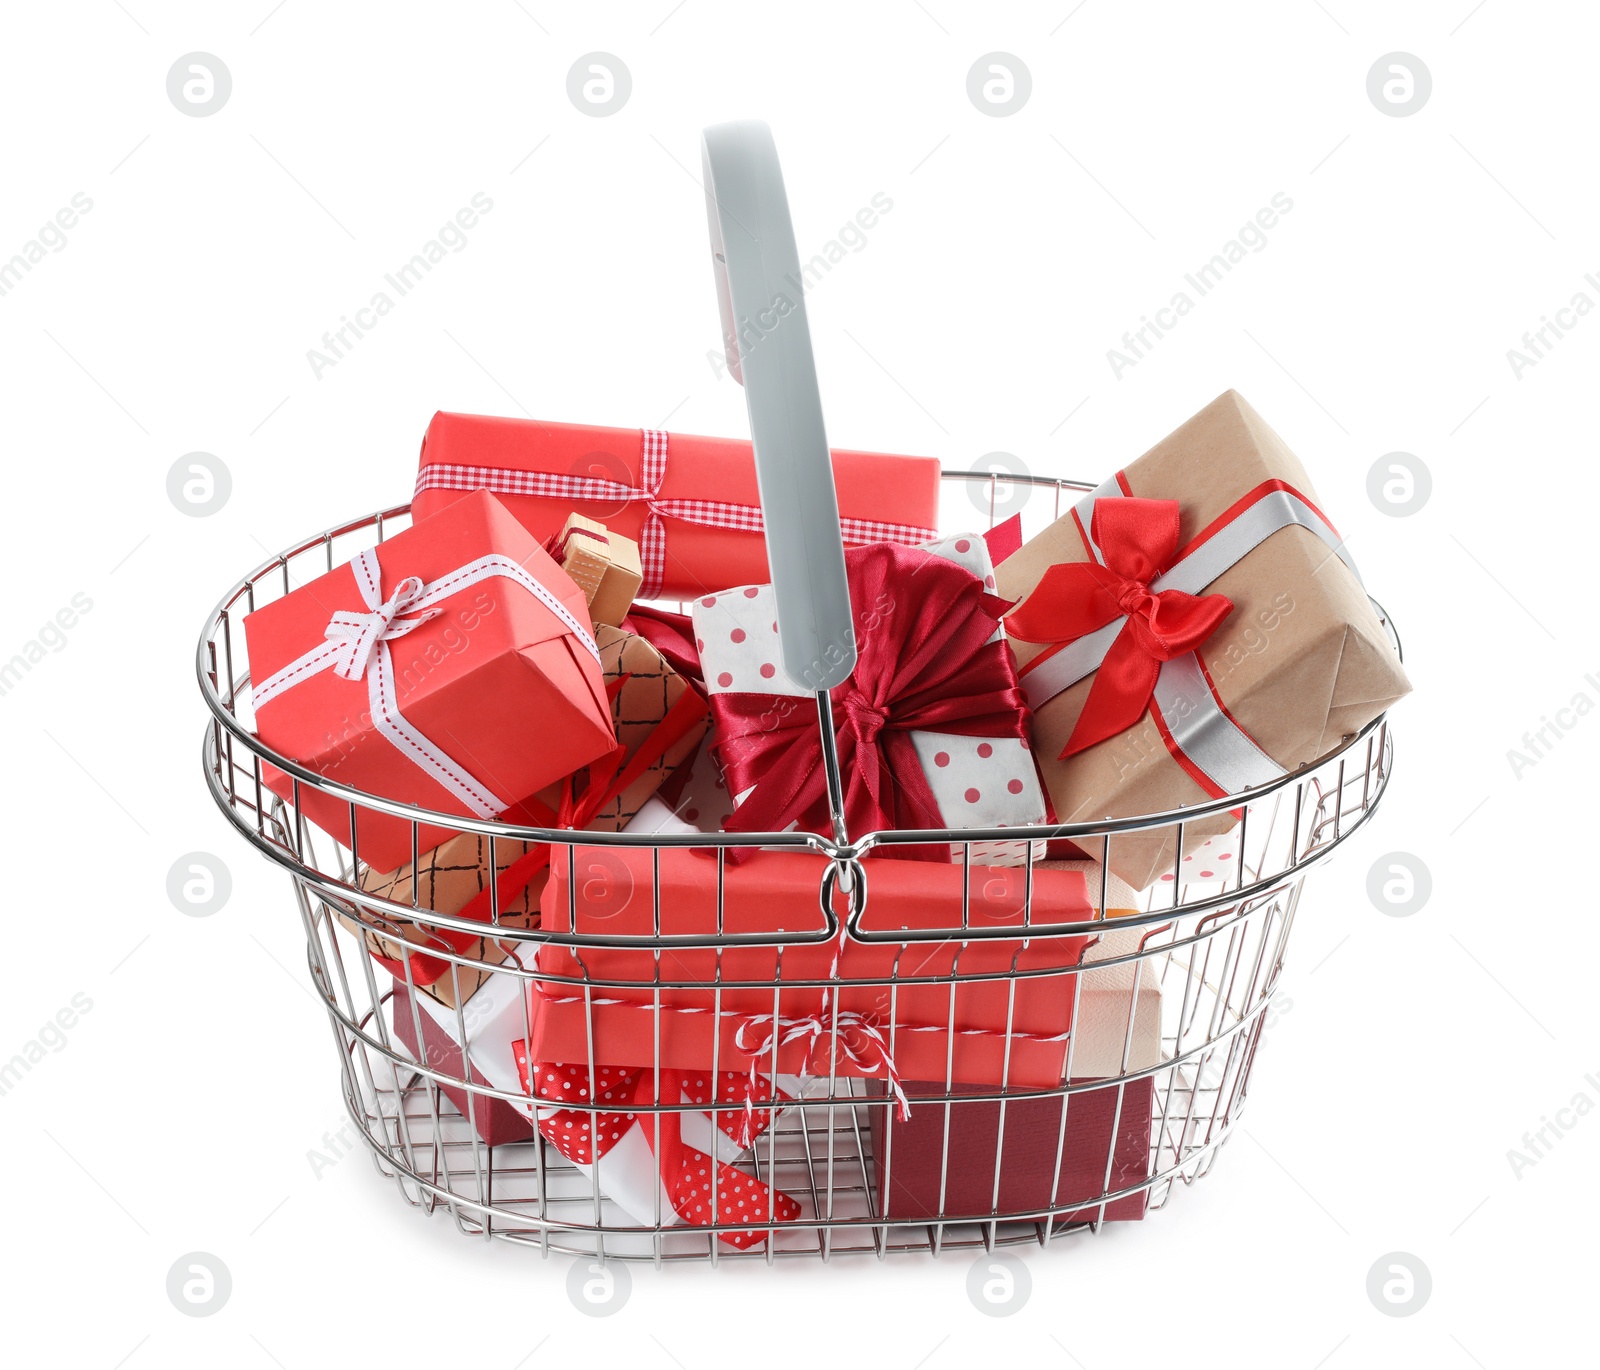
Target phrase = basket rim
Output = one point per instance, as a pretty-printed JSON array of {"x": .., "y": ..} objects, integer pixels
[{"x": 224, "y": 718}]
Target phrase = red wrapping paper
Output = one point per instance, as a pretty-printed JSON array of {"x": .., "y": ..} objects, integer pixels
[
  {"x": 779, "y": 891},
  {"x": 495, "y": 680},
  {"x": 871, "y": 486},
  {"x": 917, "y": 1178},
  {"x": 495, "y": 1120}
]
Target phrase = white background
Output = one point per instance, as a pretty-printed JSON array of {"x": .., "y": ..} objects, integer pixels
[{"x": 1414, "y": 1053}]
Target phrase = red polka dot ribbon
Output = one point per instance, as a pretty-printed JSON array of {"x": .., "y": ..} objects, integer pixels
[{"x": 585, "y": 1117}]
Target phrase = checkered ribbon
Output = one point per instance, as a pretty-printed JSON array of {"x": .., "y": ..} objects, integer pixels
[{"x": 709, "y": 513}]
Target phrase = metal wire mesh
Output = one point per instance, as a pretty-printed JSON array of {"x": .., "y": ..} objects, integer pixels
[{"x": 1169, "y": 998}]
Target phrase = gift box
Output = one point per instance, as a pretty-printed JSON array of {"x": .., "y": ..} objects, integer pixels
[
  {"x": 603, "y": 564},
  {"x": 452, "y": 668},
  {"x": 838, "y": 1005},
  {"x": 673, "y": 1167},
  {"x": 931, "y": 726},
  {"x": 453, "y": 878},
  {"x": 1191, "y": 629},
  {"x": 652, "y": 1173},
  {"x": 490, "y": 1023},
  {"x": 658, "y": 719},
  {"x": 690, "y": 503},
  {"x": 696, "y": 792},
  {"x": 942, "y": 1160}
]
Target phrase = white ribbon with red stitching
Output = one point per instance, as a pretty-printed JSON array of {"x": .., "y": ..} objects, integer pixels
[
  {"x": 1185, "y": 704},
  {"x": 357, "y": 645}
]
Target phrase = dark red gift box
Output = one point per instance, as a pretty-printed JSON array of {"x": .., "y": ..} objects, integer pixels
[
  {"x": 909, "y": 1168},
  {"x": 496, "y": 1120}
]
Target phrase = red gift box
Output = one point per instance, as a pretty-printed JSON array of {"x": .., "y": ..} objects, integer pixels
[
  {"x": 495, "y": 1119},
  {"x": 942, "y": 1160},
  {"x": 690, "y": 503},
  {"x": 452, "y": 668},
  {"x": 916, "y": 1177},
  {"x": 885, "y": 1025}
]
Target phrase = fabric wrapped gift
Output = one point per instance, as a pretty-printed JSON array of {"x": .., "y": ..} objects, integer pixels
[
  {"x": 603, "y": 564},
  {"x": 932, "y": 729},
  {"x": 839, "y": 1005},
  {"x": 452, "y": 668},
  {"x": 690, "y": 503},
  {"x": 942, "y": 1160},
  {"x": 1193, "y": 628}
]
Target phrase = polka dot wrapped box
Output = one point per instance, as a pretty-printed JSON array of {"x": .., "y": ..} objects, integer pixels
[{"x": 932, "y": 728}]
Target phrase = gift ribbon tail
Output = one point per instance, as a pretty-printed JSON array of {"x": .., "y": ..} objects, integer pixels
[{"x": 1119, "y": 696}]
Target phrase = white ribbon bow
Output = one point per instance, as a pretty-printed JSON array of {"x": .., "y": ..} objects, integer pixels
[{"x": 358, "y": 635}]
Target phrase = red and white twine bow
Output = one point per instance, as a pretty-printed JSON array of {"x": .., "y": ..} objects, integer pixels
[
  {"x": 855, "y": 1035},
  {"x": 700, "y": 1188},
  {"x": 652, "y": 472},
  {"x": 356, "y": 647}
]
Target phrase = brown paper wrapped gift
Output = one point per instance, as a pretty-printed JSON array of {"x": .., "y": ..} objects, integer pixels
[
  {"x": 447, "y": 880},
  {"x": 603, "y": 564},
  {"x": 1297, "y": 664}
]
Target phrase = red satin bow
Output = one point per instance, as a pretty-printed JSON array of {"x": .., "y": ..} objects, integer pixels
[
  {"x": 923, "y": 662},
  {"x": 1139, "y": 540},
  {"x": 585, "y": 1136}
]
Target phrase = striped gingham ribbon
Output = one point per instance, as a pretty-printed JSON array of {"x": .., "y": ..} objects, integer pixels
[
  {"x": 356, "y": 646},
  {"x": 1199, "y": 732},
  {"x": 746, "y": 518}
]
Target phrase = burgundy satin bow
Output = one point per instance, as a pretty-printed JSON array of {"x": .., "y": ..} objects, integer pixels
[
  {"x": 923, "y": 662},
  {"x": 1139, "y": 540}
]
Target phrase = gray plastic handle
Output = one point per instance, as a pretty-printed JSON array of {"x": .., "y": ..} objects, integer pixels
[{"x": 769, "y": 352}]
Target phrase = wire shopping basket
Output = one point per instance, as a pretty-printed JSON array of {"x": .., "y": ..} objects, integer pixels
[{"x": 841, "y": 1156}]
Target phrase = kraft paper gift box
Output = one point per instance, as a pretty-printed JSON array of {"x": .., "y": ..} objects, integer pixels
[
  {"x": 1233, "y": 638},
  {"x": 883, "y": 1019},
  {"x": 659, "y": 720},
  {"x": 932, "y": 730},
  {"x": 453, "y": 878},
  {"x": 643, "y": 1171},
  {"x": 603, "y": 564},
  {"x": 690, "y": 503},
  {"x": 452, "y": 668},
  {"x": 1106, "y": 1143}
]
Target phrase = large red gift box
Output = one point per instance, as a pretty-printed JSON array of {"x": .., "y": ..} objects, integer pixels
[
  {"x": 452, "y": 668},
  {"x": 888, "y": 1025},
  {"x": 690, "y": 503}
]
